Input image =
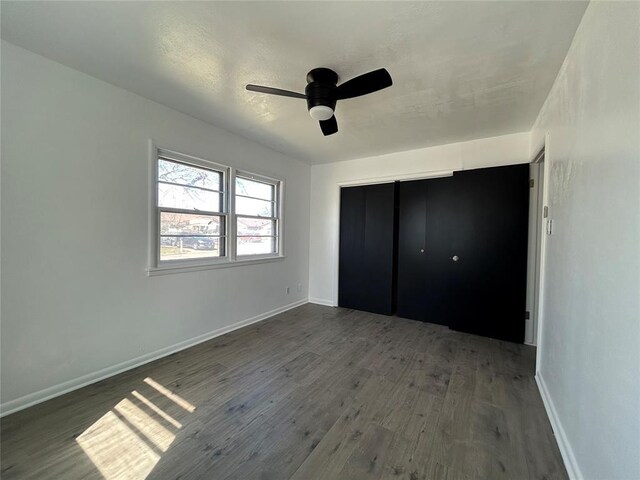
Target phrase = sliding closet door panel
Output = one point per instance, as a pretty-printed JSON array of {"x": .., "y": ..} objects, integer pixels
[
  {"x": 378, "y": 248},
  {"x": 440, "y": 216},
  {"x": 412, "y": 264},
  {"x": 424, "y": 217},
  {"x": 352, "y": 217},
  {"x": 367, "y": 248},
  {"x": 489, "y": 239}
]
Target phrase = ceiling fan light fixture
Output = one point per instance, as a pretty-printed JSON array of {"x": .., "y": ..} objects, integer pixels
[
  {"x": 321, "y": 112},
  {"x": 322, "y": 92}
]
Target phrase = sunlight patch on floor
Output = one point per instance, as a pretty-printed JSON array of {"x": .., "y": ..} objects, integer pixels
[
  {"x": 156, "y": 409},
  {"x": 128, "y": 441},
  {"x": 147, "y": 426},
  {"x": 170, "y": 395},
  {"x": 116, "y": 451}
]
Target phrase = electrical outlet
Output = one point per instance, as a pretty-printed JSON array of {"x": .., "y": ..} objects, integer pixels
[{"x": 287, "y": 290}]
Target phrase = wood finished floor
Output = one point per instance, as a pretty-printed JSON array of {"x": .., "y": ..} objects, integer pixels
[{"x": 313, "y": 393}]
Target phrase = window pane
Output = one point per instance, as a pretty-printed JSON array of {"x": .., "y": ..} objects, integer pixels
[
  {"x": 256, "y": 245},
  {"x": 173, "y": 196},
  {"x": 187, "y": 224},
  {"x": 250, "y": 206},
  {"x": 251, "y": 188},
  {"x": 255, "y": 226},
  {"x": 184, "y": 248},
  {"x": 175, "y": 172}
]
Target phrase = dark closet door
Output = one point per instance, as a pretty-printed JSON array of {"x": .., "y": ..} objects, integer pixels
[
  {"x": 462, "y": 251},
  {"x": 425, "y": 215},
  {"x": 366, "y": 273},
  {"x": 489, "y": 241}
]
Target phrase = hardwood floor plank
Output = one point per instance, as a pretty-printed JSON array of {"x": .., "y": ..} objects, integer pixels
[
  {"x": 370, "y": 455},
  {"x": 335, "y": 448}
]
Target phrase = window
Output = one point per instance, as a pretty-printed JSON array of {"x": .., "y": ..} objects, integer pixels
[
  {"x": 196, "y": 223},
  {"x": 256, "y": 203},
  {"x": 192, "y": 222}
]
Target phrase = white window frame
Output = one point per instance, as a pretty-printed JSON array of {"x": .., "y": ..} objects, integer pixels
[
  {"x": 277, "y": 211},
  {"x": 223, "y": 213},
  {"x": 158, "y": 267}
]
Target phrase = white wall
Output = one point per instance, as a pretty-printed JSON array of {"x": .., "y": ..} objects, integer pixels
[
  {"x": 325, "y": 193},
  {"x": 76, "y": 298},
  {"x": 589, "y": 339}
]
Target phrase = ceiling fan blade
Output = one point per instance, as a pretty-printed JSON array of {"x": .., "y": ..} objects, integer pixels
[
  {"x": 275, "y": 91},
  {"x": 329, "y": 127},
  {"x": 364, "y": 84}
]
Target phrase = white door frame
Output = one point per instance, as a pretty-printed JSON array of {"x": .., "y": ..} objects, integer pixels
[{"x": 541, "y": 158}]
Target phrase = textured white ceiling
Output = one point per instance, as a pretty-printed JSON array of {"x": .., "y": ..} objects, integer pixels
[{"x": 461, "y": 70}]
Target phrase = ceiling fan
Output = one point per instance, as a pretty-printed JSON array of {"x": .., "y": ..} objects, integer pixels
[{"x": 322, "y": 92}]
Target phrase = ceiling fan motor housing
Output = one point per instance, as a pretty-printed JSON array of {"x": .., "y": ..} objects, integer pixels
[{"x": 321, "y": 88}]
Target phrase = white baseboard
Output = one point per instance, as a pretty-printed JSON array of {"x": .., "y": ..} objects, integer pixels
[
  {"x": 321, "y": 301},
  {"x": 563, "y": 443},
  {"x": 76, "y": 383}
]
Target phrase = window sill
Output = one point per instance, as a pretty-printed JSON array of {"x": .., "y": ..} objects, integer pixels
[{"x": 170, "y": 269}]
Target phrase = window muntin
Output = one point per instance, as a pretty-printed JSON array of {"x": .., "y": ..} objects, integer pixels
[
  {"x": 172, "y": 223},
  {"x": 253, "y": 207},
  {"x": 252, "y": 189},
  {"x": 191, "y": 211},
  {"x": 250, "y": 227},
  {"x": 188, "y": 198},
  {"x": 256, "y": 245},
  {"x": 257, "y": 216}
]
